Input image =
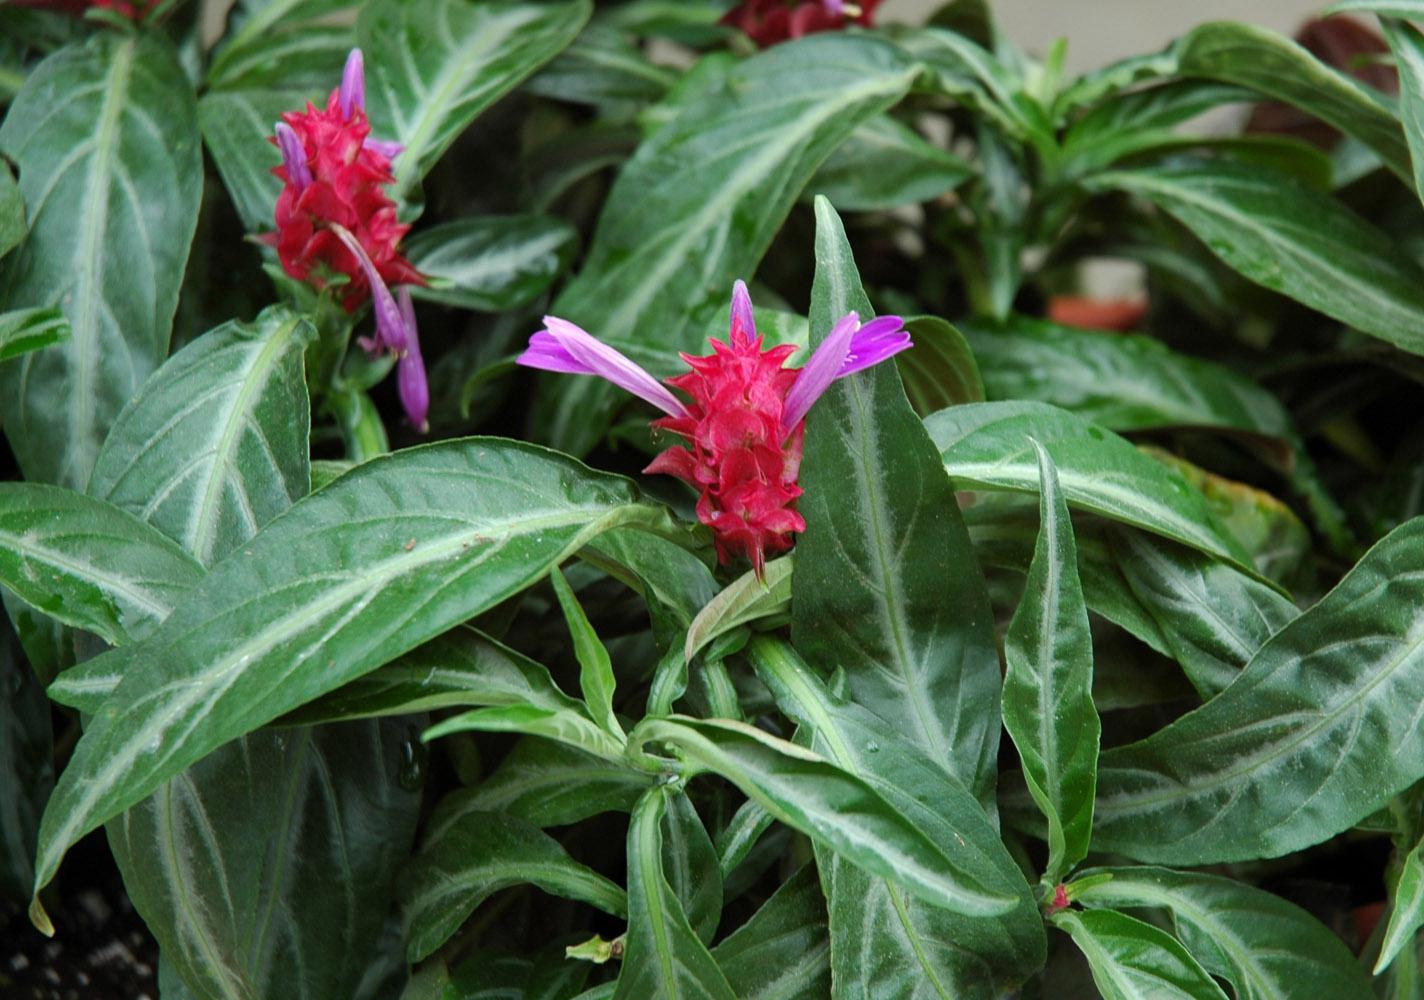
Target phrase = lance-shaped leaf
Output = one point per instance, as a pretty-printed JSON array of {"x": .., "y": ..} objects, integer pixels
[
  {"x": 1407, "y": 44},
  {"x": 26, "y": 762},
  {"x": 1266, "y": 62},
  {"x": 1265, "y": 947},
  {"x": 265, "y": 870},
  {"x": 213, "y": 446},
  {"x": 1290, "y": 239},
  {"x": 477, "y": 857},
  {"x": 1320, "y": 729},
  {"x": 698, "y": 204},
  {"x": 1048, "y": 687},
  {"x": 434, "y": 65},
  {"x": 12, "y": 212},
  {"x": 390, "y": 555},
  {"x": 1212, "y": 617},
  {"x": 986, "y": 446},
  {"x": 919, "y": 951},
  {"x": 746, "y": 599},
  {"x": 492, "y": 263},
  {"x": 284, "y": 43},
  {"x": 88, "y": 564},
  {"x": 596, "y": 679},
  {"x": 884, "y": 164},
  {"x": 832, "y": 806},
  {"x": 1406, "y": 910},
  {"x": 106, "y": 140},
  {"x": 782, "y": 952},
  {"x": 873, "y": 592},
  {"x": 1132, "y": 960},
  {"x": 235, "y": 126},
  {"x": 664, "y": 959},
  {"x": 25, "y": 330},
  {"x": 603, "y": 66}
]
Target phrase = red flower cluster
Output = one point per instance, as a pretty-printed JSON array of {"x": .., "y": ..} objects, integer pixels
[
  {"x": 741, "y": 459},
  {"x": 767, "y": 22},
  {"x": 344, "y": 186}
]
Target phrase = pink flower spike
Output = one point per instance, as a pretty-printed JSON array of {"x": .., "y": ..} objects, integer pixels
[
  {"x": 565, "y": 347},
  {"x": 819, "y": 372},
  {"x": 352, "y": 95},
  {"x": 743, "y": 329},
  {"x": 410, "y": 370},
  {"x": 390, "y": 325},
  {"x": 294, "y": 157},
  {"x": 877, "y": 340}
]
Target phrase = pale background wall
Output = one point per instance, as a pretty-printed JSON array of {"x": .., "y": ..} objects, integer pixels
[{"x": 1100, "y": 31}]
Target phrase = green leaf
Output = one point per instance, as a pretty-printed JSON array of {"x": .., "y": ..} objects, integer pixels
[
  {"x": 664, "y": 959},
  {"x": 548, "y": 784},
  {"x": 1265, "y": 947},
  {"x": 25, "y": 330},
  {"x": 602, "y": 67},
  {"x": 571, "y": 726},
  {"x": 940, "y": 370},
  {"x": 267, "y": 867},
  {"x": 1132, "y": 960},
  {"x": 740, "y": 836},
  {"x": 596, "y": 679},
  {"x": 106, "y": 140},
  {"x": 1385, "y": 8},
  {"x": 691, "y": 866},
  {"x": 26, "y": 764},
  {"x": 884, "y": 164},
  {"x": 1406, "y": 910},
  {"x": 1048, "y": 686},
  {"x": 491, "y": 263},
  {"x": 1212, "y": 617},
  {"x": 478, "y": 856},
  {"x": 782, "y": 952},
  {"x": 833, "y": 807},
  {"x": 434, "y": 65},
  {"x": 235, "y": 126},
  {"x": 673, "y": 581},
  {"x": 1244, "y": 54},
  {"x": 214, "y": 444},
  {"x": 700, "y": 201},
  {"x": 1317, "y": 732},
  {"x": 1407, "y": 44},
  {"x": 986, "y": 446},
  {"x": 424, "y": 539},
  {"x": 1290, "y": 239},
  {"x": 871, "y": 593},
  {"x": 746, "y": 599},
  {"x": 287, "y": 43},
  {"x": 12, "y": 211},
  {"x": 921, "y": 951},
  {"x": 88, "y": 564}
]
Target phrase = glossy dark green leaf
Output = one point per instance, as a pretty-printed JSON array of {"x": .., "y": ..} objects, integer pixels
[
  {"x": 691, "y": 867},
  {"x": 1265, "y": 947},
  {"x": 265, "y": 870},
  {"x": 663, "y": 960},
  {"x": 834, "y": 807},
  {"x": 1048, "y": 685},
  {"x": 492, "y": 263},
  {"x": 739, "y": 837},
  {"x": 1132, "y": 960},
  {"x": 1316, "y": 733},
  {"x": 548, "y": 784},
  {"x": 986, "y": 446},
  {"x": 674, "y": 582},
  {"x": 940, "y": 370},
  {"x": 1270, "y": 64},
  {"x": 570, "y": 726},
  {"x": 214, "y": 444},
  {"x": 698, "y": 204},
  {"x": 746, "y": 599},
  {"x": 88, "y": 564},
  {"x": 12, "y": 211},
  {"x": 596, "y": 679},
  {"x": 872, "y": 592},
  {"x": 25, "y": 330},
  {"x": 782, "y": 952},
  {"x": 1406, "y": 909},
  {"x": 480, "y": 855},
  {"x": 961, "y": 69},
  {"x": 884, "y": 941},
  {"x": 1291, "y": 240},
  {"x": 602, "y": 67},
  {"x": 884, "y": 164},
  {"x": 1212, "y": 617},
  {"x": 393, "y": 553},
  {"x": 287, "y": 43},
  {"x": 26, "y": 764},
  {"x": 106, "y": 141},
  {"x": 434, "y": 65},
  {"x": 236, "y": 124},
  {"x": 1407, "y": 44}
]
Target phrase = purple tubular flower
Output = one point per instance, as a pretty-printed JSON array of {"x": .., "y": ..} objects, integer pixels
[
  {"x": 352, "y": 95},
  {"x": 874, "y": 342},
  {"x": 743, "y": 330},
  {"x": 564, "y": 347},
  {"x": 294, "y": 157},
  {"x": 819, "y": 372},
  {"x": 410, "y": 370},
  {"x": 834, "y": 7},
  {"x": 390, "y": 325},
  {"x": 390, "y": 150}
]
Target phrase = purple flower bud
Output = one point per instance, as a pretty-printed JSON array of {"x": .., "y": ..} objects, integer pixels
[
  {"x": 390, "y": 325},
  {"x": 352, "y": 95},
  {"x": 410, "y": 370},
  {"x": 743, "y": 330},
  {"x": 294, "y": 157}
]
